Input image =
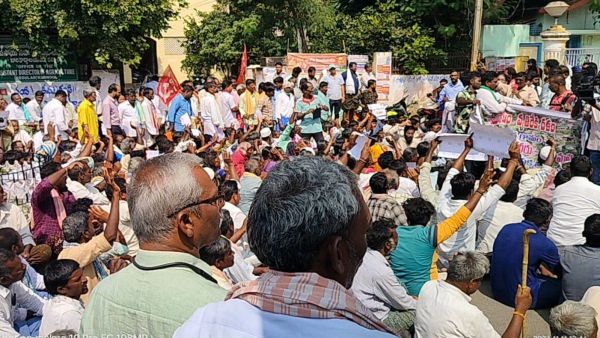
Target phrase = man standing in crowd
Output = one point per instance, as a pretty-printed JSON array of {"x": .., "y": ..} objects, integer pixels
[
  {"x": 180, "y": 111},
  {"x": 314, "y": 81},
  {"x": 111, "y": 119},
  {"x": 36, "y": 106},
  {"x": 210, "y": 112},
  {"x": 525, "y": 92},
  {"x": 96, "y": 83},
  {"x": 367, "y": 76},
  {"x": 17, "y": 110},
  {"x": 563, "y": 99},
  {"x": 335, "y": 92},
  {"x": 279, "y": 71},
  {"x": 87, "y": 118},
  {"x": 249, "y": 104},
  {"x": 229, "y": 108},
  {"x": 451, "y": 89},
  {"x": 55, "y": 112},
  {"x": 172, "y": 220},
  {"x": 352, "y": 89}
]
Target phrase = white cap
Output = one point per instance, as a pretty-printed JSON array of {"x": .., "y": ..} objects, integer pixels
[
  {"x": 544, "y": 152},
  {"x": 210, "y": 172},
  {"x": 265, "y": 132}
]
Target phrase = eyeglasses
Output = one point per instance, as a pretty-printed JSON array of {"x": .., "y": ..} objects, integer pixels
[{"x": 217, "y": 201}]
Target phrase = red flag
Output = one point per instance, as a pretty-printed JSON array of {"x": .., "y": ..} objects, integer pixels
[
  {"x": 243, "y": 66},
  {"x": 168, "y": 86}
]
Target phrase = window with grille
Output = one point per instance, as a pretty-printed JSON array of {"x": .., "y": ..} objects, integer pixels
[{"x": 173, "y": 46}]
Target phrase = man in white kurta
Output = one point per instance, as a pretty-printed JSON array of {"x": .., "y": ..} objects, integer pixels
[
  {"x": 55, "y": 111},
  {"x": 210, "y": 112}
]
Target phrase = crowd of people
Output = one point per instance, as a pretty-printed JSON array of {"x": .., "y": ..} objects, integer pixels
[{"x": 288, "y": 209}]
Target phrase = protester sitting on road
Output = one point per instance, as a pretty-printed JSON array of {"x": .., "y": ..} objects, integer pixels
[
  {"x": 174, "y": 209},
  {"x": 581, "y": 263},
  {"x": 457, "y": 189},
  {"x": 313, "y": 240},
  {"x": 375, "y": 284},
  {"x": 66, "y": 282},
  {"x": 543, "y": 257},
  {"x": 573, "y": 319},
  {"x": 444, "y": 308}
]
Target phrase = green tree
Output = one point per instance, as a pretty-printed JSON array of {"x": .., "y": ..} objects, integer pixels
[{"x": 104, "y": 30}]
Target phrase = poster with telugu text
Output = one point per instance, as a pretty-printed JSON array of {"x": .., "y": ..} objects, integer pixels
[
  {"x": 319, "y": 61},
  {"x": 535, "y": 126}
]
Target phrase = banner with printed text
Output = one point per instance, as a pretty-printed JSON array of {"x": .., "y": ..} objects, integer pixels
[
  {"x": 320, "y": 61},
  {"x": 535, "y": 126},
  {"x": 383, "y": 75}
]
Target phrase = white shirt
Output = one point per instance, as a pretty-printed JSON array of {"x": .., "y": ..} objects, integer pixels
[
  {"x": 495, "y": 218},
  {"x": 210, "y": 113},
  {"x": 22, "y": 136},
  {"x": 128, "y": 115},
  {"x": 222, "y": 320},
  {"x": 86, "y": 191},
  {"x": 492, "y": 103},
  {"x": 573, "y": 202},
  {"x": 227, "y": 105},
  {"x": 529, "y": 184},
  {"x": 444, "y": 311},
  {"x": 284, "y": 105},
  {"x": 237, "y": 215},
  {"x": 241, "y": 271},
  {"x": 34, "y": 109},
  {"x": 334, "y": 86},
  {"x": 364, "y": 79},
  {"x": 15, "y": 112},
  {"x": 56, "y": 113},
  {"x": 61, "y": 313},
  {"x": 376, "y": 286},
  {"x": 25, "y": 300},
  {"x": 407, "y": 188},
  {"x": 465, "y": 238},
  {"x": 11, "y": 216}
]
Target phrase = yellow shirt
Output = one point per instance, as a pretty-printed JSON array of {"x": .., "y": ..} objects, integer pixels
[
  {"x": 85, "y": 254},
  {"x": 86, "y": 115}
]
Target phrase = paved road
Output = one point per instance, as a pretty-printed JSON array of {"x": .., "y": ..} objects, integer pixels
[{"x": 500, "y": 314}]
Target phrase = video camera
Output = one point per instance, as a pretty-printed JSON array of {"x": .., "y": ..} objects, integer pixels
[{"x": 587, "y": 82}]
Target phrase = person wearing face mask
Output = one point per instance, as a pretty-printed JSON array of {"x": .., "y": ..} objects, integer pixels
[
  {"x": 172, "y": 219},
  {"x": 308, "y": 223}
]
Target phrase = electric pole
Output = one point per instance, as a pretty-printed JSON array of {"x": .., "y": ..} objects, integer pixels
[{"x": 476, "y": 34}]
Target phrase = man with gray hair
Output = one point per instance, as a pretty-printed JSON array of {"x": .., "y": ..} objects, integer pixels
[
  {"x": 308, "y": 223},
  {"x": 175, "y": 211},
  {"x": 444, "y": 308},
  {"x": 573, "y": 319}
]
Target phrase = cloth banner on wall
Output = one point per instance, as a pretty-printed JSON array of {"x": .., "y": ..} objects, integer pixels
[{"x": 383, "y": 75}]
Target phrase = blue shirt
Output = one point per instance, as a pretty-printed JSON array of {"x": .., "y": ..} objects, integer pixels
[
  {"x": 179, "y": 107},
  {"x": 507, "y": 261},
  {"x": 450, "y": 91}
]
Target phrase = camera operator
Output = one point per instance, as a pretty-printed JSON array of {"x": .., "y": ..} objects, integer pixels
[{"x": 588, "y": 108}]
